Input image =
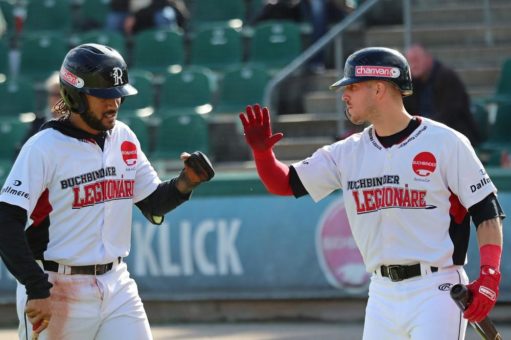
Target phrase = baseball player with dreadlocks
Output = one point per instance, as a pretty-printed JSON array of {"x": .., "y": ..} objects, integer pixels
[
  {"x": 410, "y": 186},
  {"x": 66, "y": 208}
]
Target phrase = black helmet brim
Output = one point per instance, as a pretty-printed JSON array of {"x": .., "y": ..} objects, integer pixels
[{"x": 112, "y": 92}]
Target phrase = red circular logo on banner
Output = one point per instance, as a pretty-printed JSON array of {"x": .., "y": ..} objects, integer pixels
[
  {"x": 129, "y": 153},
  {"x": 424, "y": 164},
  {"x": 338, "y": 254}
]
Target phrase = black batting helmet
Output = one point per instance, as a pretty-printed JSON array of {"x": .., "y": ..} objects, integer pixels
[
  {"x": 96, "y": 70},
  {"x": 377, "y": 63}
]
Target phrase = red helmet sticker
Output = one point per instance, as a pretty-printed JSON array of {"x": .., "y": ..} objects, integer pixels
[
  {"x": 71, "y": 78},
  {"x": 129, "y": 153},
  {"x": 377, "y": 71},
  {"x": 338, "y": 255},
  {"x": 424, "y": 164}
]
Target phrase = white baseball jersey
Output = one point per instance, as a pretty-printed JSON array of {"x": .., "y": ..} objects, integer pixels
[
  {"x": 87, "y": 193},
  {"x": 402, "y": 202}
]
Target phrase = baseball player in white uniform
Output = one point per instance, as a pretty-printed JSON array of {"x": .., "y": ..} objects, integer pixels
[
  {"x": 66, "y": 208},
  {"x": 411, "y": 186}
]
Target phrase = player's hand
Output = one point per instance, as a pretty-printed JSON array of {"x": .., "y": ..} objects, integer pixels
[
  {"x": 257, "y": 129},
  {"x": 38, "y": 312},
  {"x": 197, "y": 169},
  {"x": 485, "y": 291}
]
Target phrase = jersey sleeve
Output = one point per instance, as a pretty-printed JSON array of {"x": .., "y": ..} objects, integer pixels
[
  {"x": 319, "y": 173},
  {"x": 27, "y": 178},
  {"x": 467, "y": 177},
  {"x": 146, "y": 179}
]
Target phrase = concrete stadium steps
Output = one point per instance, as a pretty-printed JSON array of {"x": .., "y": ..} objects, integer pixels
[
  {"x": 447, "y": 14},
  {"x": 299, "y": 148},
  {"x": 468, "y": 56},
  {"x": 439, "y": 35},
  {"x": 453, "y": 3},
  {"x": 307, "y": 124}
]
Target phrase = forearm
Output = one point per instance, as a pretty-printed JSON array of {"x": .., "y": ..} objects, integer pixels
[
  {"x": 16, "y": 253},
  {"x": 490, "y": 232},
  {"x": 164, "y": 199},
  {"x": 273, "y": 173}
]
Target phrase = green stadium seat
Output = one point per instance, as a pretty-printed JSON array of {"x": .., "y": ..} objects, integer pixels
[
  {"x": 41, "y": 54},
  {"x": 16, "y": 97},
  {"x": 206, "y": 13},
  {"x": 49, "y": 15},
  {"x": 6, "y": 6},
  {"x": 498, "y": 141},
  {"x": 217, "y": 48},
  {"x": 112, "y": 39},
  {"x": 4, "y": 57},
  {"x": 93, "y": 13},
  {"x": 187, "y": 90},
  {"x": 5, "y": 168},
  {"x": 177, "y": 133},
  {"x": 157, "y": 50},
  {"x": 12, "y": 132},
  {"x": 240, "y": 87},
  {"x": 275, "y": 43},
  {"x": 145, "y": 97}
]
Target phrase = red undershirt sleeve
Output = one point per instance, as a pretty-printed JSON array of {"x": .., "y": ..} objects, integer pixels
[{"x": 273, "y": 173}]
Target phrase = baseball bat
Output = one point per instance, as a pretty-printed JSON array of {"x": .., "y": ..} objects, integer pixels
[{"x": 485, "y": 328}]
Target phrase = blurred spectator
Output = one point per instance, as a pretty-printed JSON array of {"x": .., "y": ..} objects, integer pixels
[
  {"x": 439, "y": 93},
  {"x": 278, "y": 10},
  {"x": 52, "y": 90},
  {"x": 133, "y": 16}
]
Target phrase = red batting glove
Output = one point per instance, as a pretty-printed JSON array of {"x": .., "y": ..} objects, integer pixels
[
  {"x": 485, "y": 291},
  {"x": 257, "y": 129}
]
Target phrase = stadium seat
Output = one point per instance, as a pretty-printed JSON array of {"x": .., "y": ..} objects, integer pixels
[
  {"x": 157, "y": 50},
  {"x": 216, "y": 48},
  {"x": 498, "y": 141},
  {"x": 186, "y": 90},
  {"x": 5, "y": 168},
  {"x": 180, "y": 132},
  {"x": 6, "y": 6},
  {"x": 49, "y": 15},
  {"x": 275, "y": 43},
  {"x": 142, "y": 81},
  {"x": 16, "y": 97},
  {"x": 4, "y": 57},
  {"x": 112, "y": 39},
  {"x": 241, "y": 86},
  {"x": 12, "y": 132},
  {"x": 93, "y": 13},
  {"x": 41, "y": 54},
  {"x": 206, "y": 13}
]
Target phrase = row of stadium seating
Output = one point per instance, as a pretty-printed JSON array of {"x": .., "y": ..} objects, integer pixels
[
  {"x": 185, "y": 90},
  {"x": 163, "y": 137},
  {"x": 273, "y": 44},
  {"x": 68, "y": 15}
]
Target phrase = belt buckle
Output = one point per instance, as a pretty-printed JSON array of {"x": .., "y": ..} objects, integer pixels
[
  {"x": 98, "y": 269},
  {"x": 395, "y": 273}
]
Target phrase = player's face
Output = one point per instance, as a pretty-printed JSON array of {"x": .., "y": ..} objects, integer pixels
[
  {"x": 102, "y": 113},
  {"x": 359, "y": 102}
]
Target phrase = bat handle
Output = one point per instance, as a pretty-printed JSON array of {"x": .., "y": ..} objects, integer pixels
[{"x": 485, "y": 328}]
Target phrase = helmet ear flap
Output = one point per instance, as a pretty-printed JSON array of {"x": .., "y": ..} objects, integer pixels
[{"x": 76, "y": 101}]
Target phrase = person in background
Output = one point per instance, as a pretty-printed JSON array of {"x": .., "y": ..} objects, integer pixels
[{"x": 439, "y": 93}]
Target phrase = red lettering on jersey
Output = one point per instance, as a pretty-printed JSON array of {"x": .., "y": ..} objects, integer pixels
[
  {"x": 129, "y": 153},
  {"x": 102, "y": 191},
  {"x": 389, "y": 197}
]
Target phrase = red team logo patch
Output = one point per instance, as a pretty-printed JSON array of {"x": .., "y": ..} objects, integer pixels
[
  {"x": 129, "y": 153},
  {"x": 424, "y": 164}
]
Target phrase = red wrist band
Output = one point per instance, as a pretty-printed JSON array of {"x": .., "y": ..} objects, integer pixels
[{"x": 490, "y": 255}]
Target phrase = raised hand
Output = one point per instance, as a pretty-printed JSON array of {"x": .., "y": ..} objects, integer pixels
[{"x": 257, "y": 128}]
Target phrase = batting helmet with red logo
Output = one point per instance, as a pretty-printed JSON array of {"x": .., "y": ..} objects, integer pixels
[
  {"x": 377, "y": 63},
  {"x": 96, "y": 70}
]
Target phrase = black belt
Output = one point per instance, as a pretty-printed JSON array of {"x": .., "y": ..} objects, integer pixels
[
  {"x": 400, "y": 273},
  {"x": 93, "y": 269}
]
